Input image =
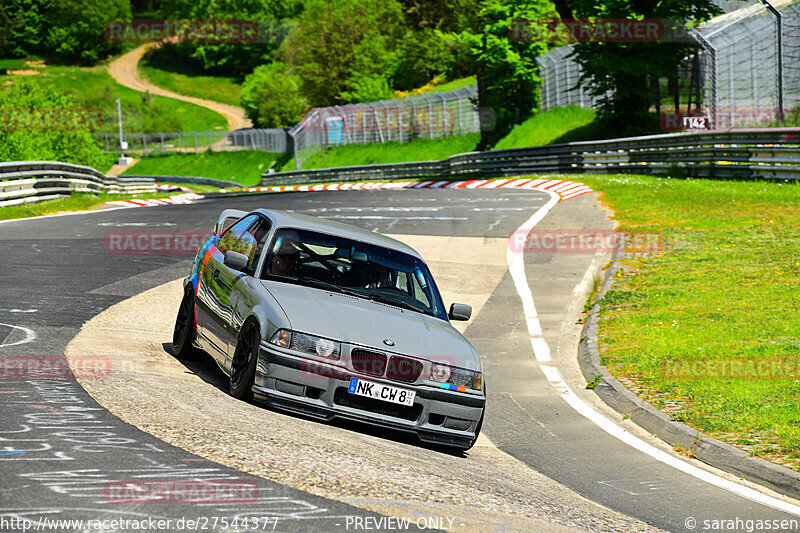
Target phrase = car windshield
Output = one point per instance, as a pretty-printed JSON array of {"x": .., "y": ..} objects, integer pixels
[{"x": 353, "y": 267}]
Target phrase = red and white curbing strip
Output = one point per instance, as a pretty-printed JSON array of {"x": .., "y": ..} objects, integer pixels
[
  {"x": 185, "y": 198},
  {"x": 566, "y": 189}
]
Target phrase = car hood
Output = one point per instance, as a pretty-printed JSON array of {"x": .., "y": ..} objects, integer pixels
[{"x": 365, "y": 322}]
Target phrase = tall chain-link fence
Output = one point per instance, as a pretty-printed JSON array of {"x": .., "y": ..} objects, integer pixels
[
  {"x": 744, "y": 72},
  {"x": 560, "y": 76},
  {"x": 751, "y": 65},
  {"x": 429, "y": 115}
]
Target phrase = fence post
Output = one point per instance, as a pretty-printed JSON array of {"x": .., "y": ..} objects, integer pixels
[
  {"x": 209, "y": 142},
  {"x": 779, "y": 22},
  {"x": 144, "y": 145},
  {"x": 180, "y": 140},
  {"x": 161, "y": 135},
  {"x": 711, "y": 54}
]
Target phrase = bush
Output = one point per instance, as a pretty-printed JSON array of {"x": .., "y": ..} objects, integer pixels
[
  {"x": 18, "y": 144},
  {"x": 271, "y": 97}
]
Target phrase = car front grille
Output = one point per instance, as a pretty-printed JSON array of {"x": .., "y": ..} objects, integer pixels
[
  {"x": 366, "y": 362},
  {"x": 345, "y": 399},
  {"x": 403, "y": 369}
]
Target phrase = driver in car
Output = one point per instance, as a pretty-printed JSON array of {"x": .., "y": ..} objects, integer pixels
[
  {"x": 284, "y": 260},
  {"x": 377, "y": 276}
]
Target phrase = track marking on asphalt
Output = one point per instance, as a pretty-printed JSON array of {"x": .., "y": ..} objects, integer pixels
[
  {"x": 516, "y": 268},
  {"x": 30, "y": 335}
]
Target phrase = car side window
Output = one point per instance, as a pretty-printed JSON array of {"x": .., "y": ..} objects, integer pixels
[
  {"x": 238, "y": 239},
  {"x": 259, "y": 231}
]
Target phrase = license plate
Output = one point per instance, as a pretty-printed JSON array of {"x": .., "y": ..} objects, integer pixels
[{"x": 379, "y": 391}]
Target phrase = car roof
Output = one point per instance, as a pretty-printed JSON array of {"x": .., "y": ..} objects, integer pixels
[{"x": 287, "y": 219}]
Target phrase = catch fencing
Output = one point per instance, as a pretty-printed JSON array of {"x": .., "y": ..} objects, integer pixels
[
  {"x": 751, "y": 69},
  {"x": 34, "y": 181},
  {"x": 744, "y": 72},
  {"x": 429, "y": 115},
  {"x": 147, "y": 144},
  {"x": 751, "y": 154}
]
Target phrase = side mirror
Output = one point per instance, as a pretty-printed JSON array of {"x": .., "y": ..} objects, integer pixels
[
  {"x": 460, "y": 312},
  {"x": 235, "y": 260}
]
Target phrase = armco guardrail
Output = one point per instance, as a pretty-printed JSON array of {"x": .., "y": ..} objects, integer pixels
[
  {"x": 187, "y": 180},
  {"x": 753, "y": 153},
  {"x": 34, "y": 181}
]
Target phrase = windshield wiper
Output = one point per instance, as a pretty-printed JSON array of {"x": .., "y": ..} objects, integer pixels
[
  {"x": 392, "y": 301},
  {"x": 327, "y": 286}
]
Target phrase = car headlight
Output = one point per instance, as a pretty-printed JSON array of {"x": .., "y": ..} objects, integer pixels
[
  {"x": 310, "y": 344},
  {"x": 453, "y": 378}
]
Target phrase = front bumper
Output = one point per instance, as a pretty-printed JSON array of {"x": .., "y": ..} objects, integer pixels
[{"x": 320, "y": 390}]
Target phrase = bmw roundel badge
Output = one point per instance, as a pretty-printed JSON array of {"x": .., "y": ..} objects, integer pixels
[{"x": 387, "y": 342}]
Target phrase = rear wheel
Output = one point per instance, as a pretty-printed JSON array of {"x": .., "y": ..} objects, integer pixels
[
  {"x": 243, "y": 365},
  {"x": 184, "y": 332}
]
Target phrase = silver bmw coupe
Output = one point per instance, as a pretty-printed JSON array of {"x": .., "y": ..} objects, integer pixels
[{"x": 329, "y": 320}]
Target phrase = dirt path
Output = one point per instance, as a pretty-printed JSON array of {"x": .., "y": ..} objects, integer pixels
[{"x": 125, "y": 71}]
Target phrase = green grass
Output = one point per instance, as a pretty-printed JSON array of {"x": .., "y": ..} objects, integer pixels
[
  {"x": 720, "y": 283},
  {"x": 243, "y": 167},
  {"x": 391, "y": 152},
  {"x": 183, "y": 78},
  {"x": 75, "y": 202},
  {"x": 14, "y": 62},
  {"x": 552, "y": 126},
  {"x": 455, "y": 84},
  {"x": 93, "y": 87}
]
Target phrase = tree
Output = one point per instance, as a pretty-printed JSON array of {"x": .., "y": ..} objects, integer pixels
[
  {"x": 506, "y": 69},
  {"x": 620, "y": 72},
  {"x": 62, "y": 30},
  {"x": 344, "y": 51},
  {"x": 271, "y": 97},
  {"x": 234, "y": 58},
  {"x": 25, "y": 136}
]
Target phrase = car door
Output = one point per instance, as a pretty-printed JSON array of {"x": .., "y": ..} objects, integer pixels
[{"x": 216, "y": 289}]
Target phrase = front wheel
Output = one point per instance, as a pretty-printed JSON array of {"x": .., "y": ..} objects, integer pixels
[
  {"x": 184, "y": 331},
  {"x": 243, "y": 365}
]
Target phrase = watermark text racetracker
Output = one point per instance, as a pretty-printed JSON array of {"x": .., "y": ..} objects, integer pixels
[
  {"x": 581, "y": 241},
  {"x": 181, "y": 491},
  {"x": 154, "y": 242},
  {"x": 51, "y": 119},
  {"x": 194, "y": 31},
  {"x": 54, "y": 367},
  {"x": 731, "y": 368}
]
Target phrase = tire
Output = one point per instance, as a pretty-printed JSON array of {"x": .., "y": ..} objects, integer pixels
[
  {"x": 243, "y": 364},
  {"x": 185, "y": 329}
]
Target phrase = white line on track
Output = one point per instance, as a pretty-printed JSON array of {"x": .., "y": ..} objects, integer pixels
[
  {"x": 30, "y": 335},
  {"x": 516, "y": 267}
]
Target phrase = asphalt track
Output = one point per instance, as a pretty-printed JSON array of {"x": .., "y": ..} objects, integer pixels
[{"x": 57, "y": 275}]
